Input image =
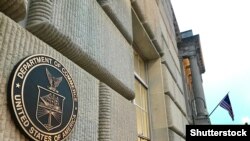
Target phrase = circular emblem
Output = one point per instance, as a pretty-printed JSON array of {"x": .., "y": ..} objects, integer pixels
[{"x": 43, "y": 98}]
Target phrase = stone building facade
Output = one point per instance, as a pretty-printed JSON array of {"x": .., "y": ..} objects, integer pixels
[{"x": 137, "y": 77}]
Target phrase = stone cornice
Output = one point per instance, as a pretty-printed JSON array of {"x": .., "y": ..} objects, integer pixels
[{"x": 190, "y": 46}]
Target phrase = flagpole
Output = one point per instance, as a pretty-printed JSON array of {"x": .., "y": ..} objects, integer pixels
[
  {"x": 214, "y": 109},
  {"x": 217, "y": 105}
]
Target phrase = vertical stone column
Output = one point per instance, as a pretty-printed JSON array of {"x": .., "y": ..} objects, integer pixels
[
  {"x": 190, "y": 48},
  {"x": 199, "y": 97},
  {"x": 188, "y": 107},
  {"x": 157, "y": 102}
]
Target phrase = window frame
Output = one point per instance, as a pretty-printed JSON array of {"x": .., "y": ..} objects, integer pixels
[{"x": 143, "y": 83}]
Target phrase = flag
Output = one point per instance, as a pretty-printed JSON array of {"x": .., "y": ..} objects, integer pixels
[{"x": 226, "y": 104}]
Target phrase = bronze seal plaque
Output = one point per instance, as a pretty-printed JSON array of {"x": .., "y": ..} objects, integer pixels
[{"x": 43, "y": 98}]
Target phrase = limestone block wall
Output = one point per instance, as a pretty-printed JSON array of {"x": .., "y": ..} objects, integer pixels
[
  {"x": 179, "y": 82},
  {"x": 171, "y": 61},
  {"x": 167, "y": 59},
  {"x": 174, "y": 73},
  {"x": 175, "y": 117},
  {"x": 93, "y": 39},
  {"x": 179, "y": 99},
  {"x": 168, "y": 82},
  {"x": 185, "y": 122},
  {"x": 17, "y": 43},
  {"x": 119, "y": 12},
  {"x": 170, "y": 58},
  {"x": 170, "y": 50},
  {"x": 171, "y": 89},
  {"x": 167, "y": 17},
  {"x": 175, "y": 137},
  {"x": 172, "y": 77},
  {"x": 83, "y": 32},
  {"x": 117, "y": 116}
]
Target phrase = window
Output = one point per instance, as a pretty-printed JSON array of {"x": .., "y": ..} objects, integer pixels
[{"x": 141, "y": 99}]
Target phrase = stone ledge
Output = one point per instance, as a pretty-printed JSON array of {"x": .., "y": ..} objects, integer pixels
[
  {"x": 15, "y": 9},
  {"x": 120, "y": 13},
  {"x": 85, "y": 39}
]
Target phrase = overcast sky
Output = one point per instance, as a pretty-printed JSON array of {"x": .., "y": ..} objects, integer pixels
[{"x": 224, "y": 27}]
